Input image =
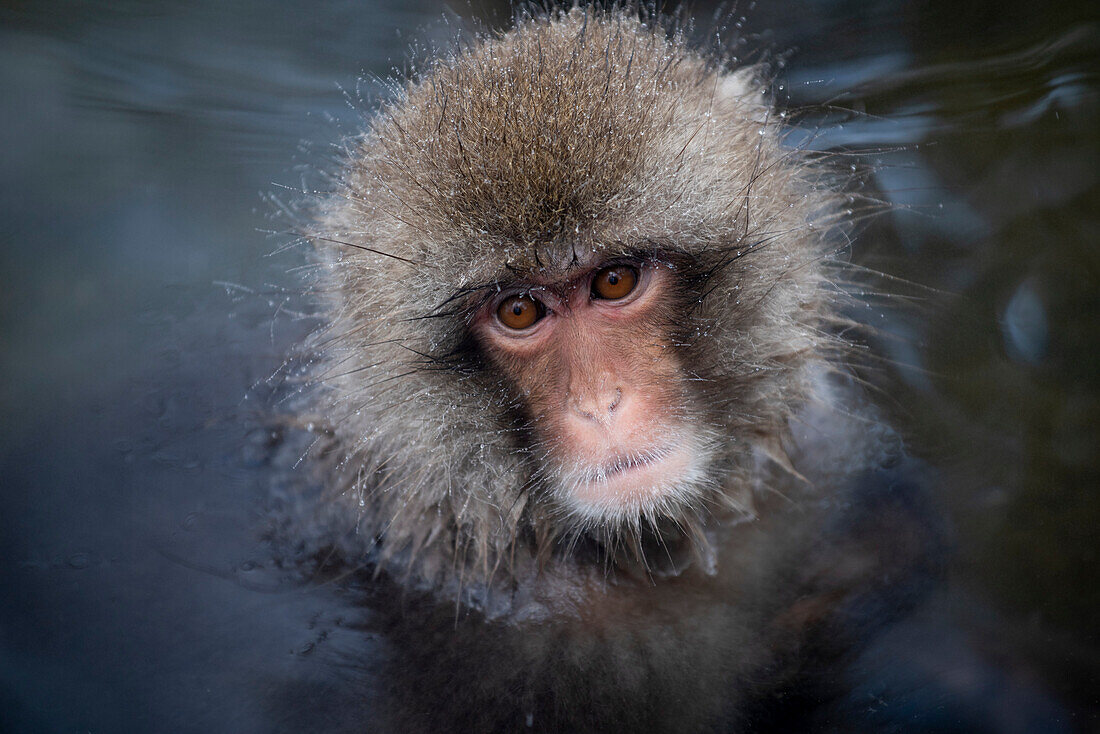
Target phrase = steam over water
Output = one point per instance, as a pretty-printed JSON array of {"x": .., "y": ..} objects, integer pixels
[{"x": 145, "y": 146}]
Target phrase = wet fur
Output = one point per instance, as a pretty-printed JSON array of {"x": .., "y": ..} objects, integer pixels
[
  {"x": 514, "y": 157},
  {"x": 575, "y": 132}
]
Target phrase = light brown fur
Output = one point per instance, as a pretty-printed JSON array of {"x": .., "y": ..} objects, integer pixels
[
  {"x": 536, "y": 157},
  {"x": 576, "y": 136}
]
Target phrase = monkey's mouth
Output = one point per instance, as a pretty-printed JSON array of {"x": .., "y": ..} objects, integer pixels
[
  {"x": 622, "y": 465},
  {"x": 633, "y": 485}
]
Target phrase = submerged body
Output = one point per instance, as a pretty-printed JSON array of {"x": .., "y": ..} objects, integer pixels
[{"x": 579, "y": 374}]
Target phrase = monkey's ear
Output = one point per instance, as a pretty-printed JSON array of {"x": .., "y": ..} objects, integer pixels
[
  {"x": 739, "y": 84},
  {"x": 743, "y": 91}
]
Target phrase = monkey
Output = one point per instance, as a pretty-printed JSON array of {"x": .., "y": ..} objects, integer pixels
[{"x": 584, "y": 422}]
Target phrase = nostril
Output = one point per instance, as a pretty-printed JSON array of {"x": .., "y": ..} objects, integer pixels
[{"x": 597, "y": 407}]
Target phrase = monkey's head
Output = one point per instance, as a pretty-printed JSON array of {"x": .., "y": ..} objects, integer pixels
[{"x": 572, "y": 281}]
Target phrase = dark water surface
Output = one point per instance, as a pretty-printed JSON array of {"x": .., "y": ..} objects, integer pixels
[{"x": 138, "y": 307}]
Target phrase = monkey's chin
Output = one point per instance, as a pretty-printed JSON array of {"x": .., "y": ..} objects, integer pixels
[{"x": 628, "y": 489}]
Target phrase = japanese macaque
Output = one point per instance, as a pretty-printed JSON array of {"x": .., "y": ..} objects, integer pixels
[{"x": 580, "y": 372}]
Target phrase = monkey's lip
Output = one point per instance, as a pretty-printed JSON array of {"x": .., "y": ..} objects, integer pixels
[
  {"x": 633, "y": 482},
  {"x": 620, "y": 466}
]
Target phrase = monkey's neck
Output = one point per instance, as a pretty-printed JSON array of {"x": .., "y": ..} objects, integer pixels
[{"x": 549, "y": 576}]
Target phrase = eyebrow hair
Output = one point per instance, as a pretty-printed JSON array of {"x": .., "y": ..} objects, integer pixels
[
  {"x": 649, "y": 249},
  {"x": 437, "y": 311}
]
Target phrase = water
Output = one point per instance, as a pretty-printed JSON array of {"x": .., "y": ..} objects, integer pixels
[{"x": 142, "y": 143}]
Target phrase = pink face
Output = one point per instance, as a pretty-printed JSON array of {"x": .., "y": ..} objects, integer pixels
[{"x": 594, "y": 360}]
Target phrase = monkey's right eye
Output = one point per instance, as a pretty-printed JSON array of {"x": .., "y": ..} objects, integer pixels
[
  {"x": 615, "y": 282},
  {"x": 518, "y": 312}
]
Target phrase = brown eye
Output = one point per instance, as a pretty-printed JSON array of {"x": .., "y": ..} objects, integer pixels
[
  {"x": 614, "y": 282},
  {"x": 518, "y": 312}
]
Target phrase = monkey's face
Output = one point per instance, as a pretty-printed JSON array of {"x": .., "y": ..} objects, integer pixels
[
  {"x": 576, "y": 290},
  {"x": 592, "y": 355}
]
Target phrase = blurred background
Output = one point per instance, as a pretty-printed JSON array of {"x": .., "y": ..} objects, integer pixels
[{"x": 145, "y": 146}]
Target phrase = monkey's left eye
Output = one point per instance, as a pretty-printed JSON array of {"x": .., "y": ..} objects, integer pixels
[
  {"x": 519, "y": 312},
  {"x": 614, "y": 282}
]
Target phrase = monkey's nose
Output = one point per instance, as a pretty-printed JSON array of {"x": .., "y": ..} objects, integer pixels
[{"x": 597, "y": 405}]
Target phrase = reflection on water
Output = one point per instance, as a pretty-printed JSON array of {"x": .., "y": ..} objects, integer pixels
[{"x": 139, "y": 139}]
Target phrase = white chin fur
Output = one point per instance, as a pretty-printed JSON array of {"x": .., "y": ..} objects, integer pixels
[{"x": 643, "y": 485}]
